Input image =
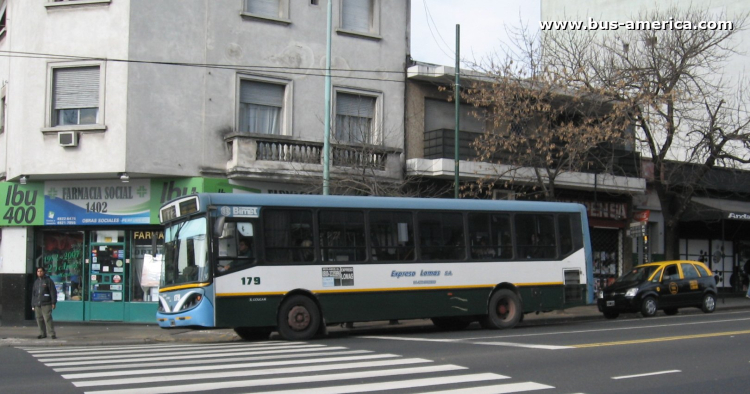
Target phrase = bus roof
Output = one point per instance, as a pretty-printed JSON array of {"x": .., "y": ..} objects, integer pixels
[{"x": 303, "y": 200}]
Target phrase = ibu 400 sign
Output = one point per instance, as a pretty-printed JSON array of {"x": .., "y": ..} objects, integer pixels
[{"x": 23, "y": 205}]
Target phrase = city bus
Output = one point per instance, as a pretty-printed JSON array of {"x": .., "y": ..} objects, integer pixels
[{"x": 295, "y": 264}]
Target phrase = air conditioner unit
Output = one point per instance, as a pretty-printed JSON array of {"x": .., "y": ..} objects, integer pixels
[
  {"x": 503, "y": 195},
  {"x": 67, "y": 138}
]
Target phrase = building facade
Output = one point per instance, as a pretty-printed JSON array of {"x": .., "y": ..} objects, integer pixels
[
  {"x": 714, "y": 228},
  {"x": 111, "y": 107},
  {"x": 430, "y": 152}
]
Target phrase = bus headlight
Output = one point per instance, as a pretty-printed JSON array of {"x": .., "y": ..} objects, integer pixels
[
  {"x": 631, "y": 292},
  {"x": 192, "y": 301}
]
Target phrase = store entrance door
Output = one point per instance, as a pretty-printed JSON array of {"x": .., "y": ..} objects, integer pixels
[{"x": 107, "y": 276}]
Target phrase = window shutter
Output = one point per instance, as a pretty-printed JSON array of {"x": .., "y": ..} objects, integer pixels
[
  {"x": 260, "y": 93},
  {"x": 263, "y": 7},
  {"x": 76, "y": 87},
  {"x": 356, "y": 15},
  {"x": 354, "y": 105}
]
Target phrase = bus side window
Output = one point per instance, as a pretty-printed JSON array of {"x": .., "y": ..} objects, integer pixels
[
  {"x": 391, "y": 236},
  {"x": 566, "y": 234},
  {"x": 288, "y": 236},
  {"x": 441, "y": 236},
  {"x": 342, "y": 235},
  {"x": 536, "y": 236}
]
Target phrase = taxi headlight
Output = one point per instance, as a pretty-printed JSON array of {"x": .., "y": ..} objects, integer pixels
[
  {"x": 631, "y": 292},
  {"x": 600, "y": 294}
]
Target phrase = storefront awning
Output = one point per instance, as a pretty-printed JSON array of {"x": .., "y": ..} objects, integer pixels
[{"x": 713, "y": 209}]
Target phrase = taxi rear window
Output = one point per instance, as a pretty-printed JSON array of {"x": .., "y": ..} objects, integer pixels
[{"x": 702, "y": 270}]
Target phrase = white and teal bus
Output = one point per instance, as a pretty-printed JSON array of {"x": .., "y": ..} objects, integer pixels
[{"x": 295, "y": 263}]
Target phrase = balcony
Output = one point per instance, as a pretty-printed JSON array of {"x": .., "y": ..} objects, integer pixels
[{"x": 285, "y": 158}]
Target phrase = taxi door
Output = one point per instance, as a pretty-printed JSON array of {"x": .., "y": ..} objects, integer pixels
[
  {"x": 693, "y": 288},
  {"x": 670, "y": 291}
]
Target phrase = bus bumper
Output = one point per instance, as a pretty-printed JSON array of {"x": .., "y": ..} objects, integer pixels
[{"x": 200, "y": 316}]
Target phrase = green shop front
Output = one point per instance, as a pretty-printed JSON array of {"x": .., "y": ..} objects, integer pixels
[{"x": 99, "y": 240}]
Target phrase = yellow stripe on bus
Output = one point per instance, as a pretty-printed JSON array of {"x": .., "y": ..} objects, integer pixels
[
  {"x": 181, "y": 287},
  {"x": 488, "y": 286}
]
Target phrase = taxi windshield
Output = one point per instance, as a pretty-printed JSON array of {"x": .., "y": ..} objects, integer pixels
[{"x": 638, "y": 274}]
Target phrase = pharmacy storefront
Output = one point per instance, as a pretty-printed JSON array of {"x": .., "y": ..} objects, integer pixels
[{"x": 99, "y": 240}]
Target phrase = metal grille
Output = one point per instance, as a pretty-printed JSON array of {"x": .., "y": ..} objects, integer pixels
[{"x": 607, "y": 255}]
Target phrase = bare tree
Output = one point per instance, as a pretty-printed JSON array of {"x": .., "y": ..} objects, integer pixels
[
  {"x": 537, "y": 128},
  {"x": 671, "y": 83}
]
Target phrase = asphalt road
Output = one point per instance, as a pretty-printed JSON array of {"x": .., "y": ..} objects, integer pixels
[{"x": 686, "y": 353}]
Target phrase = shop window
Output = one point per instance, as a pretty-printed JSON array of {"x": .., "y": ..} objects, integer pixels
[
  {"x": 606, "y": 246},
  {"x": 145, "y": 245},
  {"x": 61, "y": 255},
  {"x": 108, "y": 271}
]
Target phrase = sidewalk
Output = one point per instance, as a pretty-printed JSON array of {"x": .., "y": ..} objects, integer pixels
[{"x": 99, "y": 333}]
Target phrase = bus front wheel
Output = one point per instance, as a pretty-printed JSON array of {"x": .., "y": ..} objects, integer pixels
[
  {"x": 299, "y": 318},
  {"x": 504, "y": 310}
]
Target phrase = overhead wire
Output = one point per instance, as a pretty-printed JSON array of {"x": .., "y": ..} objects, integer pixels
[{"x": 428, "y": 18}]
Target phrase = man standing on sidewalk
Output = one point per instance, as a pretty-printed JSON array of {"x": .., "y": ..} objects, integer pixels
[{"x": 43, "y": 301}]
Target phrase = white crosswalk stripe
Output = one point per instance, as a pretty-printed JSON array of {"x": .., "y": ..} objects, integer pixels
[{"x": 272, "y": 366}]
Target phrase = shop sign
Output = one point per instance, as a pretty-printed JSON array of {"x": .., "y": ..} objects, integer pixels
[
  {"x": 22, "y": 205},
  {"x": 96, "y": 202},
  {"x": 642, "y": 216},
  {"x": 604, "y": 209}
]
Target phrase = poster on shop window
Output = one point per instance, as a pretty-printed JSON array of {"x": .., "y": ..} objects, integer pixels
[{"x": 96, "y": 202}]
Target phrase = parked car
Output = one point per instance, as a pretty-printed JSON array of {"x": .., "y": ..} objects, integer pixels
[{"x": 666, "y": 285}]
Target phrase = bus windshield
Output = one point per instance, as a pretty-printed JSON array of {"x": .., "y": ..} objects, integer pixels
[{"x": 185, "y": 253}]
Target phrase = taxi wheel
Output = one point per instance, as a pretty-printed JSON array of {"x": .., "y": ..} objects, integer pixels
[
  {"x": 298, "y": 319},
  {"x": 709, "y": 303},
  {"x": 670, "y": 311},
  {"x": 611, "y": 314},
  {"x": 649, "y": 307}
]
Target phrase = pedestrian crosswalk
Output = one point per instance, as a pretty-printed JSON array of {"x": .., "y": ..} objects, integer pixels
[{"x": 268, "y": 367}]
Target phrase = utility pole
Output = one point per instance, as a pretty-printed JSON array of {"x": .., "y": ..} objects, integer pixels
[
  {"x": 327, "y": 122},
  {"x": 457, "y": 97}
]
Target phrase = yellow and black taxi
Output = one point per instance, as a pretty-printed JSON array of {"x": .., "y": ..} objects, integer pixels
[{"x": 666, "y": 285}]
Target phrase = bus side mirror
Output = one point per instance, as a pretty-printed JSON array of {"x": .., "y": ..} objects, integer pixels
[{"x": 219, "y": 226}]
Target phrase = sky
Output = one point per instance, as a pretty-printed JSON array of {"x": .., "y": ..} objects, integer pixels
[{"x": 483, "y": 27}]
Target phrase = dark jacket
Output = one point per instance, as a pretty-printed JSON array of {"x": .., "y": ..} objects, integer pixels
[{"x": 43, "y": 292}]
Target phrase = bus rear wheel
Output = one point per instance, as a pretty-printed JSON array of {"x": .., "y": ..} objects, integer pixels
[
  {"x": 298, "y": 319},
  {"x": 503, "y": 311},
  {"x": 253, "y": 333}
]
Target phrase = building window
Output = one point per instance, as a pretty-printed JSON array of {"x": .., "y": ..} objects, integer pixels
[
  {"x": 261, "y": 107},
  {"x": 355, "y": 115},
  {"x": 55, "y": 3},
  {"x": 360, "y": 16},
  {"x": 2, "y": 112},
  {"x": 274, "y": 10},
  {"x": 75, "y": 96},
  {"x": 3, "y": 21}
]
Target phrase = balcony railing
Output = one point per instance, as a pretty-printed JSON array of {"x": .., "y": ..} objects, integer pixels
[
  {"x": 262, "y": 153},
  {"x": 289, "y": 151}
]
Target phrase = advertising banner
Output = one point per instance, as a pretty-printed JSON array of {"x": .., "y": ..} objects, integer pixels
[
  {"x": 22, "y": 205},
  {"x": 97, "y": 202}
]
